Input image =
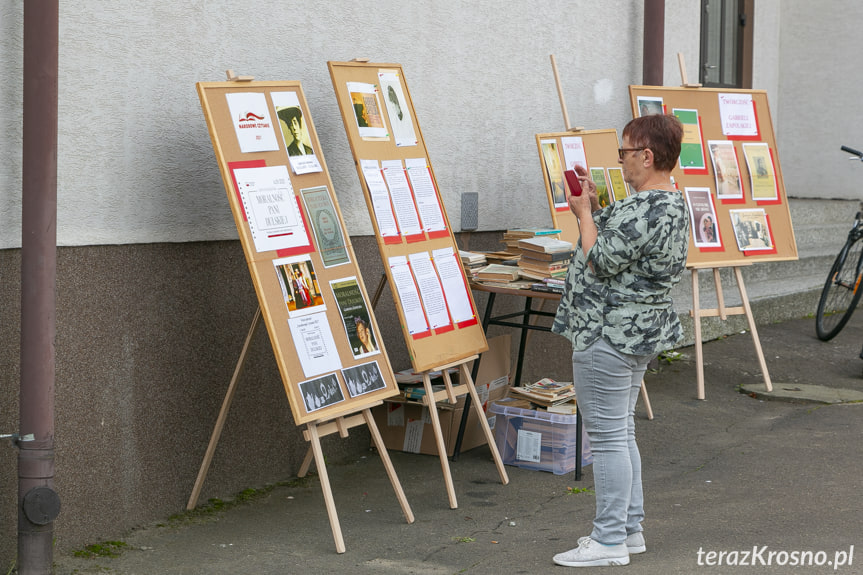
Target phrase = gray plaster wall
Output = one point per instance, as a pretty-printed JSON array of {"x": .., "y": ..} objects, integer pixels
[{"x": 135, "y": 160}]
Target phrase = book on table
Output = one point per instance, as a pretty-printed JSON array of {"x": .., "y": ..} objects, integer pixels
[
  {"x": 545, "y": 244},
  {"x": 497, "y": 272},
  {"x": 547, "y": 256},
  {"x": 541, "y": 276},
  {"x": 542, "y": 266}
]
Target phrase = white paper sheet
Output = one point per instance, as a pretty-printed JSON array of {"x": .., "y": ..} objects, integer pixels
[
  {"x": 402, "y": 198},
  {"x": 397, "y": 109},
  {"x": 433, "y": 299},
  {"x": 380, "y": 198},
  {"x": 408, "y": 295},
  {"x": 573, "y": 152},
  {"x": 272, "y": 210},
  {"x": 452, "y": 278},
  {"x": 251, "y": 118},
  {"x": 424, "y": 191},
  {"x": 313, "y": 340},
  {"x": 367, "y": 110},
  {"x": 737, "y": 115}
]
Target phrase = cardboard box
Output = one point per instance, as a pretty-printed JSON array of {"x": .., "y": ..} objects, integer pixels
[
  {"x": 406, "y": 426},
  {"x": 540, "y": 440}
]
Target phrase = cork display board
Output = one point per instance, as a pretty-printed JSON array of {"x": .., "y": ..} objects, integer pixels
[
  {"x": 312, "y": 296},
  {"x": 728, "y": 171},
  {"x": 416, "y": 242},
  {"x": 596, "y": 151}
]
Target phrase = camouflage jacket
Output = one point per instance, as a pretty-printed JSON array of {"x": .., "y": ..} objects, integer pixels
[{"x": 639, "y": 255}]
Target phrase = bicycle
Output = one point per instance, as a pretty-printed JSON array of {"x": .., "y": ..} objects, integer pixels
[{"x": 842, "y": 290}]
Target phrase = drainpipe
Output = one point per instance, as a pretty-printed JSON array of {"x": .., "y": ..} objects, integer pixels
[
  {"x": 654, "y": 42},
  {"x": 38, "y": 504}
]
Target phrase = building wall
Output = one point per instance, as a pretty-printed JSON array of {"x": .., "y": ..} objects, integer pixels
[{"x": 135, "y": 160}]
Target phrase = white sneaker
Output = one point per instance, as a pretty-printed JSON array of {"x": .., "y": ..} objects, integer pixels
[
  {"x": 634, "y": 542},
  {"x": 590, "y": 553}
]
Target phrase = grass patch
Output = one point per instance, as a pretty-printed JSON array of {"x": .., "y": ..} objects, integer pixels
[
  {"x": 463, "y": 539},
  {"x": 577, "y": 490},
  {"x": 103, "y": 549}
]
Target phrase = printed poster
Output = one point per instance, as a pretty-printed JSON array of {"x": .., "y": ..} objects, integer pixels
[
  {"x": 691, "y": 149},
  {"x": 367, "y": 111},
  {"x": 726, "y": 171},
  {"x": 326, "y": 226},
  {"x": 299, "y": 284},
  {"x": 321, "y": 392},
  {"x": 553, "y": 169},
  {"x": 618, "y": 186},
  {"x": 314, "y": 343},
  {"x": 273, "y": 211},
  {"x": 648, "y": 105},
  {"x": 397, "y": 110},
  {"x": 251, "y": 119},
  {"x": 737, "y": 115},
  {"x": 356, "y": 318},
  {"x": 702, "y": 218},
  {"x": 751, "y": 229},
  {"x": 425, "y": 194},
  {"x": 573, "y": 152},
  {"x": 292, "y": 125},
  {"x": 598, "y": 177},
  {"x": 365, "y": 378},
  {"x": 762, "y": 176}
]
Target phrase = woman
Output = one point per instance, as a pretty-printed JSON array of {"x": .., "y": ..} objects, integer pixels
[{"x": 617, "y": 312}]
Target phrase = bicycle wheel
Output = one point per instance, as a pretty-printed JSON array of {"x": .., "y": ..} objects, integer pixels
[{"x": 840, "y": 295}]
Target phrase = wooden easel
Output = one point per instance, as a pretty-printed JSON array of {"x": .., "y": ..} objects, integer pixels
[
  {"x": 313, "y": 432},
  {"x": 451, "y": 393},
  {"x": 723, "y": 312}
]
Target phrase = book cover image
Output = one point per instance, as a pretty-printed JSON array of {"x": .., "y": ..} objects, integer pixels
[
  {"x": 598, "y": 177},
  {"x": 691, "y": 149},
  {"x": 355, "y": 317},
  {"x": 725, "y": 169},
  {"x": 326, "y": 226},
  {"x": 751, "y": 229},
  {"x": 702, "y": 217}
]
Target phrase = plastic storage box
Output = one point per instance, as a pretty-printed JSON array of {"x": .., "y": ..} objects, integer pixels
[{"x": 537, "y": 439}]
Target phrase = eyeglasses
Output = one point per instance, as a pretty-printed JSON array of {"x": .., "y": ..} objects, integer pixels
[{"x": 622, "y": 151}]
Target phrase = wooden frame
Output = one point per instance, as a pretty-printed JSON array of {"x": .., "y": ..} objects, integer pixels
[{"x": 445, "y": 346}]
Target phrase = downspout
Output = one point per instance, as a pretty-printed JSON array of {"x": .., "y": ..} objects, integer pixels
[
  {"x": 37, "y": 500},
  {"x": 654, "y": 42}
]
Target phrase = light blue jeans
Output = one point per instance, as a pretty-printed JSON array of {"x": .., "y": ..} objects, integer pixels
[{"x": 607, "y": 383}]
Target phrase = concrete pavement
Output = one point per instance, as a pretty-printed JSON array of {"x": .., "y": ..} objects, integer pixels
[{"x": 723, "y": 477}]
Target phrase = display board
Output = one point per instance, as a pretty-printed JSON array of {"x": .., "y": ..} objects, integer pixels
[
  {"x": 417, "y": 245},
  {"x": 729, "y": 173},
  {"x": 596, "y": 151},
  {"x": 312, "y": 296}
]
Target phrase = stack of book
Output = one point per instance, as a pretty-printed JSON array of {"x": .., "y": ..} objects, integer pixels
[
  {"x": 550, "y": 285},
  {"x": 472, "y": 261},
  {"x": 544, "y": 257},
  {"x": 545, "y": 393},
  {"x": 512, "y": 236}
]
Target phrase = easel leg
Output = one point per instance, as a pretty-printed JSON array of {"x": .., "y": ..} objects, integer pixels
[
  {"x": 307, "y": 463},
  {"x": 751, "y": 320},
  {"x": 438, "y": 435},
  {"x": 696, "y": 321},
  {"x": 223, "y": 415},
  {"x": 315, "y": 441},
  {"x": 388, "y": 465},
  {"x": 483, "y": 421}
]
